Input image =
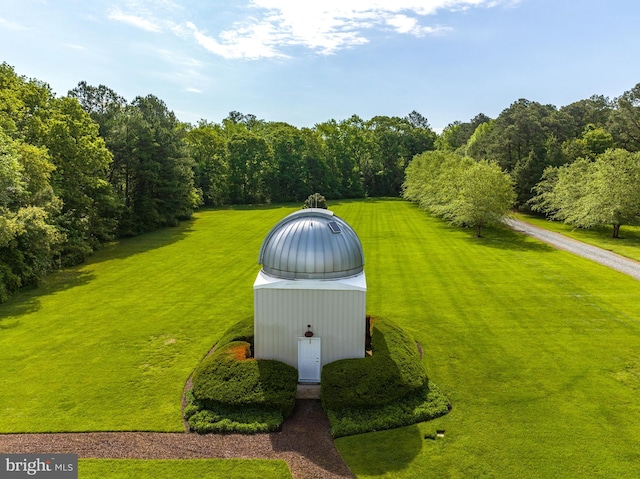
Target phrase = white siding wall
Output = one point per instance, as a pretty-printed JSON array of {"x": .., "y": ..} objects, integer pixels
[{"x": 282, "y": 315}]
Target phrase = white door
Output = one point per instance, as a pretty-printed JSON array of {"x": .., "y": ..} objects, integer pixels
[{"x": 309, "y": 360}]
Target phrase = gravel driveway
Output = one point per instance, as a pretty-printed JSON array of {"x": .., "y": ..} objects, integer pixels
[{"x": 599, "y": 255}]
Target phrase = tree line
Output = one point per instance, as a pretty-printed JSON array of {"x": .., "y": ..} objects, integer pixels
[
  {"x": 79, "y": 170},
  {"x": 579, "y": 163},
  {"x": 86, "y": 168}
]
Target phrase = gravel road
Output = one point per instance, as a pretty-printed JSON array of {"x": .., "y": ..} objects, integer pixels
[{"x": 599, "y": 255}]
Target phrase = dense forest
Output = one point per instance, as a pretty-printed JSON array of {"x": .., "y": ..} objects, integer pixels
[{"x": 86, "y": 168}]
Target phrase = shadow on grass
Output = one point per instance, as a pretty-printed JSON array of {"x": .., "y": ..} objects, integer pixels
[
  {"x": 28, "y": 300},
  {"x": 381, "y": 453},
  {"x": 127, "y": 247},
  {"x": 507, "y": 239}
]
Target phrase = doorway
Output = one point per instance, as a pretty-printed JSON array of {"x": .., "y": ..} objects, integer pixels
[{"x": 309, "y": 364}]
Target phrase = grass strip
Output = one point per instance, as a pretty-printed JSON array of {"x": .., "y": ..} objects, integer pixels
[{"x": 183, "y": 469}]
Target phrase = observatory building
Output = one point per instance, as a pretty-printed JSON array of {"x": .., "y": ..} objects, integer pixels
[{"x": 310, "y": 295}]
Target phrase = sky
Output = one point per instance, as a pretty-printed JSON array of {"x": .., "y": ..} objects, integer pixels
[{"x": 308, "y": 61}]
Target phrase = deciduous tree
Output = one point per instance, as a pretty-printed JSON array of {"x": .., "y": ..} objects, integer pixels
[
  {"x": 29, "y": 238},
  {"x": 593, "y": 193},
  {"x": 208, "y": 148},
  {"x": 484, "y": 197},
  {"x": 465, "y": 192}
]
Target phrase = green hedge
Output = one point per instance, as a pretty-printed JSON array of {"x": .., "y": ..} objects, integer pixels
[
  {"x": 232, "y": 392},
  {"x": 393, "y": 371},
  {"x": 425, "y": 404},
  {"x": 229, "y": 378},
  {"x": 221, "y": 419},
  {"x": 240, "y": 331}
]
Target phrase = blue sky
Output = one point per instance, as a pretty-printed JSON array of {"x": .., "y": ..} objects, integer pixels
[{"x": 308, "y": 61}]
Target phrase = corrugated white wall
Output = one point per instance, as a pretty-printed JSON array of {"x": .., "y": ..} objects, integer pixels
[{"x": 282, "y": 315}]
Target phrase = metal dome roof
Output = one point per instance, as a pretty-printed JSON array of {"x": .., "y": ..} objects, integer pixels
[{"x": 312, "y": 243}]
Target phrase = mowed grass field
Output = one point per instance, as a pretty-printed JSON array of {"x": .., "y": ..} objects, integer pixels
[
  {"x": 538, "y": 350},
  {"x": 182, "y": 469}
]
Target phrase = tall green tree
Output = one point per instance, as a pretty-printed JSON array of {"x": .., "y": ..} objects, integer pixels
[
  {"x": 624, "y": 120},
  {"x": 478, "y": 144},
  {"x": 359, "y": 150},
  {"x": 208, "y": 148},
  {"x": 112, "y": 113},
  {"x": 82, "y": 161},
  {"x": 432, "y": 180},
  {"x": 289, "y": 152},
  {"x": 593, "y": 193},
  {"x": 456, "y": 135},
  {"x": 484, "y": 198},
  {"x": 320, "y": 174},
  {"x": 591, "y": 111},
  {"x": 161, "y": 190},
  {"x": 420, "y": 137},
  {"x": 397, "y": 141},
  {"x": 152, "y": 171},
  {"x": 519, "y": 141},
  {"x": 29, "y": 238},
  {"x": 31, "y": 113},
  {"x": 345, "y": 175},
  {"x": 101, "y": 102},
  {"x": 465, "y": 192},
  {"x": 593, "y": 142},
  {"x": 251, "y": 169}
]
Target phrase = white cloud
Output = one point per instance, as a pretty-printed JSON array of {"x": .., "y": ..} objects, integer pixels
[
  {"x": 410, "y": 25},
  {"x": 271, "y": 27},
  {"x": 325, "y": 26},
  {"x": 250, "y": 42},
  {"x": 135, "y": 20},
  {"x": 193, "y": 90}
]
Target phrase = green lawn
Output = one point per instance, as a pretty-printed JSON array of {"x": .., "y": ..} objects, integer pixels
[
  {"x": 108, "y": 346},
  {"x": 628, "y": 244},
  {"x": 538, "y": 350},
  {"x": 182, "y": 469}
]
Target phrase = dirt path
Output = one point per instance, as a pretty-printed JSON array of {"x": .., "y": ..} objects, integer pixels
[
  {"x": 599, "y": 255},
  {"x": 305, "y": 443}
]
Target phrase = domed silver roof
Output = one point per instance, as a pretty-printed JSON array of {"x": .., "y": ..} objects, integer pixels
[{"x": 312, "y": 243}]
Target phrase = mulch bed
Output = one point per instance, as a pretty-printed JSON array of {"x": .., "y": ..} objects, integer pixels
[{"x": 305, "y": 443}]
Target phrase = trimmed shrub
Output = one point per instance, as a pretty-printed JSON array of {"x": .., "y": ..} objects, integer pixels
[
  {"x": 248, "y": 420},
  {"x": 393, "y": 371},
  {"x": 232, "y": 392},
  {"x": 425, "y": 404},
  {"x": 228, "y": 378},
  {"x": 241, "y": 331}
]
